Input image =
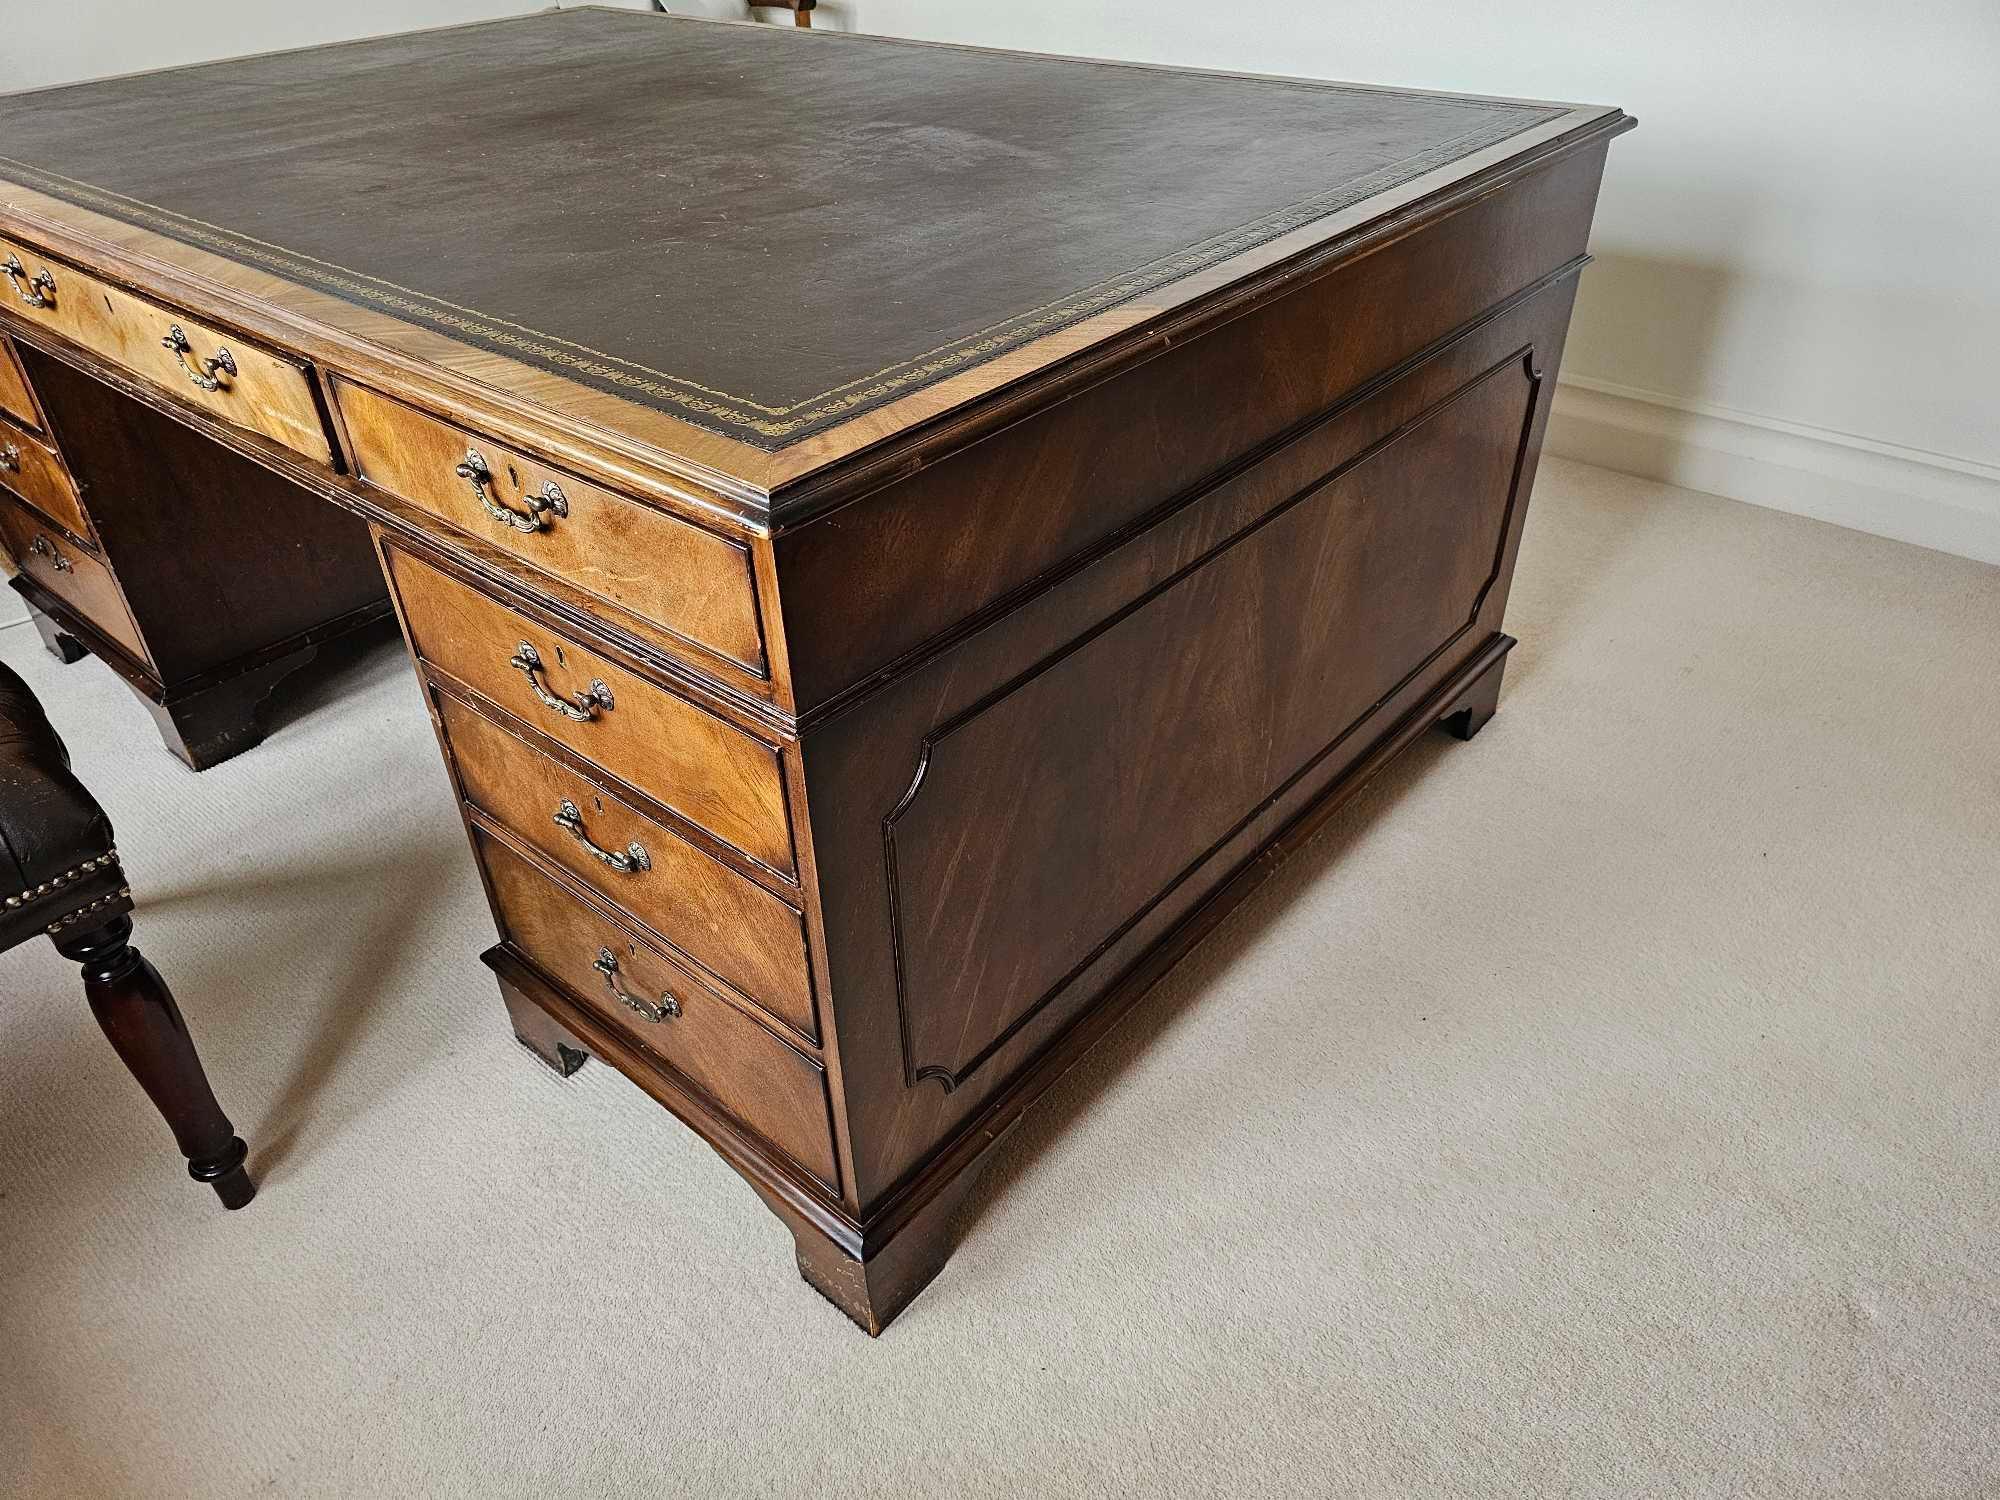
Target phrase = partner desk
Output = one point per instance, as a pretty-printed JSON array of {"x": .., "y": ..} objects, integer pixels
[{"x": 895, "y": 539}]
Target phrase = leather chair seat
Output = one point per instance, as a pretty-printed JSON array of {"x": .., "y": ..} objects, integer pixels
[{"x": 55, "y": 841}]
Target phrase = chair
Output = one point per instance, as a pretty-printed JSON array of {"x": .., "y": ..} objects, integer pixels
[{"x": 60, "y": 874}]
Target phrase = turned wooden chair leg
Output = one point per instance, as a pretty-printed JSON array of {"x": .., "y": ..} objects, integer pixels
[{"x": 138, "y": 1014}]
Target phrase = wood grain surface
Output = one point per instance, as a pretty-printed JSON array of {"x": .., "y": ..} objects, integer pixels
[
  {"x": 48, "y": 556},
  {"x": 705, "y": 768},
  {"x": 674, "y": 582},
  {"x": 263, "y": 392},
  {"x": 34, "y": 472},
  {"x": 17, "y": 402},
  {"x": 767, "y": 1083},
  {"x": 737, "y": 929},
  {"x": 218, "y": 557}
]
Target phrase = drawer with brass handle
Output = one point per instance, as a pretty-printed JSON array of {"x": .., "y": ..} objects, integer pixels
[
  {"x": 582, "y": 706},
  {"x": 668, "y": 581},
  {"x": 17, "y": 397},
  {"x": 717, "y": 776},
  {"x": 738, "y": 930},
  {"x": 223, "y": 374},
  {"x": 749, "y": 1071},
  {"x": 34, "y": 473},
  {"x": 38, "y": 290},
  {"x": 631, "y": 860},
  {"x": 667, "y": 1007},
  {"x": 71, "y": 574}
]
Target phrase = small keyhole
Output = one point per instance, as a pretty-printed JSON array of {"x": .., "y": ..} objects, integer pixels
[
  {"x": 564, "y": 660},
  {"x": 598, "y": 803},
  {"x": 513, "y": 478},
  {"x": 107, "y": 305}
]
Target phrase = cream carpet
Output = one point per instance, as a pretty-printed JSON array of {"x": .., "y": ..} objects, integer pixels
[{"x": 1607, "y": 1107}]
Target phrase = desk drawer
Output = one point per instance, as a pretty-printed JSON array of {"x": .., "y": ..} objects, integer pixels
[
  {"x": 727, "y": 923},
  {"x": 35, "y": 474},
  {"x": 70, "y": 573},
  {"x": 251, "y": 387},
  {"x": 17, "y": 400},
  {"x": 747, "y": 1070},
  {"x": 661, "y": 574},
  {"x": 704, "y": 768}
]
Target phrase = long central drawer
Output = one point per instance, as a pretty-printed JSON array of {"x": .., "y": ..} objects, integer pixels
[
  {"x": 222, "y": 373},
  {"x": 717, "y": 776}
]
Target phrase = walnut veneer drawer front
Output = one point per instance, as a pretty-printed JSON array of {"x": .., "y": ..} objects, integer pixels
[
  {"x": 218, "y": 372},
  {"x": 70, "y": 573},
  {"x": 664, "y": 573},
  {"x": 722, "y": 920},
  {"x": 35, "y": 474},
  {"x": 704, "y": 768},
  {"x": 16, "y": 400},
  {"x": 746, "y": 1069}
]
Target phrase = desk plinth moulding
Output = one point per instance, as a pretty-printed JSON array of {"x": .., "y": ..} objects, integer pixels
[{"x": 857, "y": 692}]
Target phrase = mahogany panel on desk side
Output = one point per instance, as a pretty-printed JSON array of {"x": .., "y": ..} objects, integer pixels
[{"x": 1115, "y": 747}]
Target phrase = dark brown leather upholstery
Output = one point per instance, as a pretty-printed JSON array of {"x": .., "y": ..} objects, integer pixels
[
  {"x": 55, "y": 841},
  {"x": 48, "y": 823}
]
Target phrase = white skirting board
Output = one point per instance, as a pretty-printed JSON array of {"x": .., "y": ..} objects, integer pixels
[{"x": 1932, "y": 499}]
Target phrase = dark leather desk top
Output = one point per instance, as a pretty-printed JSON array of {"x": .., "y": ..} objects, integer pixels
[{"x": 760, "y": 231}]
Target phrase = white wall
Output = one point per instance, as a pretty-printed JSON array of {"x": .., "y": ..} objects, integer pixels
[
  {"x": 60, "y": 41},
  {"x": 1797, "y": 293}
]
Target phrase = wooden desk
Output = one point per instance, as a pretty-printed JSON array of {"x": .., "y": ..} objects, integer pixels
[{"x": 895, "y": 539}]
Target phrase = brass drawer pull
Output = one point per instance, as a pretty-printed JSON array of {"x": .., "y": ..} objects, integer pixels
[
  {"x": 203, "y": 374},
  {"x": 10, "y": 460},
  {"x": 41, "y": 546},
  {"x": 584, "y": 706},
  {"x": 606, "y": 963},
  {"x": 38, "y": 290},
  {"x": 474, "y": 471},
  {"x": 569, "y": 818}
]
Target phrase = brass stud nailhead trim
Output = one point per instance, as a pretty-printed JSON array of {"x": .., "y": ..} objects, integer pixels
[
  {"x": 101, "y": 862},
  {"x": 123, "y": 893}
]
